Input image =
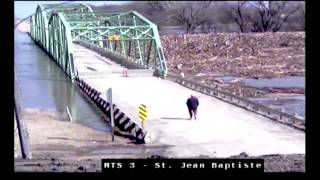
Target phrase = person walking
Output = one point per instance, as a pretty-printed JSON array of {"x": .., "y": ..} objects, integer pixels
[{"x": 192, "y": 104}]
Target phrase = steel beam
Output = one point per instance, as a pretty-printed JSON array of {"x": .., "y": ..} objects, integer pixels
[{"x": 127, "y": 34}]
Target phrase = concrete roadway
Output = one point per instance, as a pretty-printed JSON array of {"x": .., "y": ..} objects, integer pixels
[{"x": 221, "y": 129}]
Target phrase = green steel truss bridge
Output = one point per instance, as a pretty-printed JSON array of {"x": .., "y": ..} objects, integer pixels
[{"x": 128, "y": 34}]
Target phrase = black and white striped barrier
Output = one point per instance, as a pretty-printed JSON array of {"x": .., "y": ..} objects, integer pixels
[{"x": 122, "y": 123}]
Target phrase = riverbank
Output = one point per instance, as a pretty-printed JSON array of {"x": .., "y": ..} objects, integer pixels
[
  {"x": 61, "y": 146},
  {"x": 208, "y": 58},
  {"x": 57, "y": 137}
]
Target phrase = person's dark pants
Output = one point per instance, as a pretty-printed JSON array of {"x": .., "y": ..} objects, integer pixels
[{"x": 193, "y": 113}]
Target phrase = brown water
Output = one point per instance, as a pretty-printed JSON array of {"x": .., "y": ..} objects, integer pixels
[{"x": 43, "y": 85}]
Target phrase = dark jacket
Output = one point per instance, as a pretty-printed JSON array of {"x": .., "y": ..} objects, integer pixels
[{"x": 192, "y": 102}]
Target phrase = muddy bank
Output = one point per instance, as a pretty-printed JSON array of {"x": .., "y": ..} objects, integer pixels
[
  {"x": 62, "y": 146},
  {"x": 280, "y": 162},
  {"x": 59, "y": 145},
  {"x": 57, "y": 165},
  {"x": 272, "y": 163},
  {"x": 52, "y": 136}
]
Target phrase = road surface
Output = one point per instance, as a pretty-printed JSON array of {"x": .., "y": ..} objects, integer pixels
[{"x": 221, "y": 129}]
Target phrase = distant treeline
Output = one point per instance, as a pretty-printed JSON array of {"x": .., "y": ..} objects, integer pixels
[{"x": 219, "y": 16}]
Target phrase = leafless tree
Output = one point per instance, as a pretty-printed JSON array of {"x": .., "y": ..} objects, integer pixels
[
  {"x": 190, "y": 14},
  {"x": 155, "y": 7},
  {"x": 208, "y": 27},
  {"x": 256, "y": 16},
  {"x": 269, "y": 18},
  {"x": 237, "y": 14},
  {"x": 157, "y": 11}
]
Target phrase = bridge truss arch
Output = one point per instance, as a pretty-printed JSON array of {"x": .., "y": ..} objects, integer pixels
[{"x": 127, "y": 34}]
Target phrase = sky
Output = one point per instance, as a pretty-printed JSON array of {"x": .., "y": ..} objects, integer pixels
[{"x": 23, "y": 9}]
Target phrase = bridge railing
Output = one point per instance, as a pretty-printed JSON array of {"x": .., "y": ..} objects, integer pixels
[
  {"x": 247, "y": 104},
  {"x": 128, "y": 34},
  {"x": 51, "y": 31}
]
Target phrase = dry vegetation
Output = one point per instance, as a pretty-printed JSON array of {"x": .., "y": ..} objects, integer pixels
[
  {"x": 204, "y": 57},
  {"x": 237, "y": 54}
]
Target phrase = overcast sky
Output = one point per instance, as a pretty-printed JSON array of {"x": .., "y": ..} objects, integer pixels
[{"x": 23, "y": 9}]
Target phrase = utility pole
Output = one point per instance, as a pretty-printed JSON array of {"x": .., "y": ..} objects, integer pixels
[{"x": 22, "y": 128}]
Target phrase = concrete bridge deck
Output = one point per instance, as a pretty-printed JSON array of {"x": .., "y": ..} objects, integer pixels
[{"x": 221, "y": 129}]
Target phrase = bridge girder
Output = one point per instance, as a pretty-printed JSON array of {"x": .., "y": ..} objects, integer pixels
[
  {"x": 127, "y": 34},
  {"x": 49, "y": 29}
]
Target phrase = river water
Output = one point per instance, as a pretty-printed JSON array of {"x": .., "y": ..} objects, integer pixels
[
  {"x": 283, "y": 82},
  {"x": 43, "y": 85},
  {"x": 292, "y": 104}
]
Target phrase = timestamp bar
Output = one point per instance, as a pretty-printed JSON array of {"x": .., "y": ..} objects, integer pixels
[{"x": 214, "y": 165}]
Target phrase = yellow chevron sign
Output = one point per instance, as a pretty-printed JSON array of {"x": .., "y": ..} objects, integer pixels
[{"x": 143, "y": 112}]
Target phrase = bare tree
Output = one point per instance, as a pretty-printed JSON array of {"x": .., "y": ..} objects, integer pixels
[
  {"x": 269, "y": 18},
  {"x": 208, "y": 27},
  {"x": 237, "y": 14},
  {"x": 157, "y": 11},
  {"x": 190, "y": 14},
  {"x": 155, "y": 7}
]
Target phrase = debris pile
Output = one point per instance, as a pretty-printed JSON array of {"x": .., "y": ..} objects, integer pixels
[
  {"x": 205, "y": 57},
  {"x": 239, "y": 54}
]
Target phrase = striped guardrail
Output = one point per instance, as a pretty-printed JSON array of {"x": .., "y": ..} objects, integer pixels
[{"x": 122, "y": 123}]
